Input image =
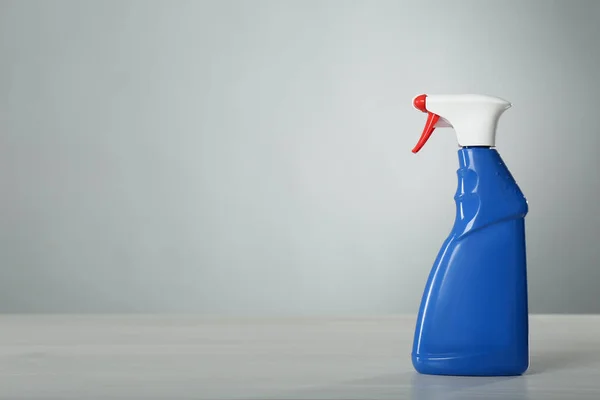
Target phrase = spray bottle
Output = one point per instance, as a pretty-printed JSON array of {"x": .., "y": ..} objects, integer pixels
[{"x": 473, "y": 318}]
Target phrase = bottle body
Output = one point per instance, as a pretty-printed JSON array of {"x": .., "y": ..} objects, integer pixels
[{"x": 473, "y": 318}]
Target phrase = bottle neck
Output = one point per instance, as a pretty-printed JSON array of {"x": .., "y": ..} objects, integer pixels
[
  {"x": 486, "y": 190},
  {"x": 477, "y": 156}
]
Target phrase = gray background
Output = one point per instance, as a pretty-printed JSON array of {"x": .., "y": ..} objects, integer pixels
[{"x": 253, "y": 157}]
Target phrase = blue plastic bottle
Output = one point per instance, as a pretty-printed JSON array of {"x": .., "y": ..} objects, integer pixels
[{"x": 473, "y": 318}]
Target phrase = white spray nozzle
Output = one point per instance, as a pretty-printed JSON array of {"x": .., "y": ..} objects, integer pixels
[{"x": 474, "y": 117}]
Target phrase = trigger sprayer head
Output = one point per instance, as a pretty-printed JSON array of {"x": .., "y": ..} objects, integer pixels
[{"x": 473, "y": 117}]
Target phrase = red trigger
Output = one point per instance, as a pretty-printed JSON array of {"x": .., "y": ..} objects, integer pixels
[{"x": 432, "y": 119}]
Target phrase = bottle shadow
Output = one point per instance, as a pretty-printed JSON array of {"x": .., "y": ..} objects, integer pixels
[
  {"x": 560, "y": 359},
  {"x": 415, "y": 386},
  {"x": 430, "y": 387}
]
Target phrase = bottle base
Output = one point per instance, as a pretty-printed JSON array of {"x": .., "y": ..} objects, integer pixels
[{"x": 469, "y": 365}]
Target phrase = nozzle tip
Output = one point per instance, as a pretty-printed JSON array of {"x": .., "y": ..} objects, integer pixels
[{"x": 419, "y": 102}]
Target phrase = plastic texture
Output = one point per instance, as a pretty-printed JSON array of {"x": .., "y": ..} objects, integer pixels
[
  {"x": 473, "y": 318},
  {"x": 474, "y": 117}
]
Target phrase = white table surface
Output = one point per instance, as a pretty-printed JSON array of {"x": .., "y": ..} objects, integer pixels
[{"x": 161, "y": 357}]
